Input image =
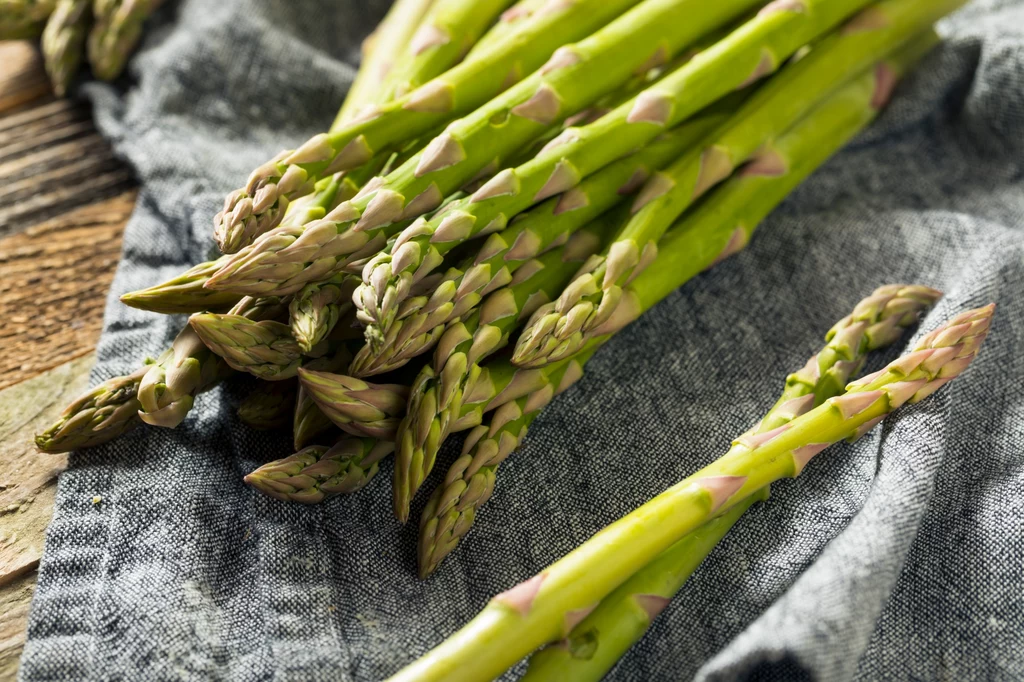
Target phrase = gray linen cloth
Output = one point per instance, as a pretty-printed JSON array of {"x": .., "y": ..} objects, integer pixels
[{"x": 898, "y": 557}]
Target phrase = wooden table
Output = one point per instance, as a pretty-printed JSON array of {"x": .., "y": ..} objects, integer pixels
[{"x": 64, "y": 202}]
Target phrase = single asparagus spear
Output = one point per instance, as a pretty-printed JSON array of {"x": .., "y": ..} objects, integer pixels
[
  {"x": 270, "y": 406},
  {"x": 591, "y": 299},
  {"x": 308, "y": 423},
  {"x": 100, "y": 415},
  {"x": 719, "y": 227},
  {"x": 24, "y": 19},
  {"x": 392, "y": 34},
  {"x": 875, "y": 322},
  {"x": 413, "y": 321},
  {"x": 438, "y": 392},
  {"x": 749, "y": 53},
  {"x": 446, "y": 34},
  {"x": 623, "y": 617},
  {"x": 63, "y": 42},
  {"x": 509, "y": 21},
  {"x": 117, "y": 28},
  {"x": 458, "y": 91},
  {"x": 355, "y": 406},
  {"x": 318, "y": 472},
  {"x": 477, "y": 144},
  {"x": 168, "y": 389},
  {"x": 184, "y": 293},
  {"x": 316, "y": 309},
  {"x": 543, "y": 608}
]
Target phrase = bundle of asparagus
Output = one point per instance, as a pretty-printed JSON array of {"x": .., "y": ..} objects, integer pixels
[
  {"x": 507, "y": 187},
  {"x": 107, "y": 30}
]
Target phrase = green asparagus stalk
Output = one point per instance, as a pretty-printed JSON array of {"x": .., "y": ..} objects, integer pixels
[
  {"x": 623, "y": 617},
  {"x": 309, "y": 424},
  {"x": 168, "y": 389},
  {"x": 318, "y": 472},
  {"x": 184, "y": 294},
  {"x": 591, "y": 299},
  {"x": 63, "y": 42},
  {"x": 411, "y": 328},
  {"x": 458, "y": 91},
  {"x": 316, "y": 309},
  {"x": 100, "y": 415},
  {"x": 438, "y": 392},
  {"x": 24, "y": 19},
  {"x": 117, "y": 29},
  {"x": 507, "y": 24},
  {"x": 544, "y": 608},
  {"x": 446, "y": 34},
  {"x": 355, "y": 406},
  {"x": 720, "y": 226},
  {"x": 394, "y": 32},
  {"x": 749, "y": 53},
  {"x": 270, "y": 406},
  {"x": 875, "y": 322}
]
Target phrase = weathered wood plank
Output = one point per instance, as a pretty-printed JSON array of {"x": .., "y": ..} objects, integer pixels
[
  {"x": 54, "y": 279},
  {"x": 28, "y": 482}
]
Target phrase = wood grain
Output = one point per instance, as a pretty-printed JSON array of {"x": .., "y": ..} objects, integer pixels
[{"x": 64, "y": 202}]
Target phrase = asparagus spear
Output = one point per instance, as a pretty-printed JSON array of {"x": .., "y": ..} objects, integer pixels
[
  {"x": 543, "y": 608},
  {"x": 458, "y": 91},
  {"x": 63, "y": 42},
  {"x": 438, "y": 392},
  {"x": 392, "y": 34},
  {"x": 24, "y": 19},
  {"x": 316, "y": 309},
  {"x": 414, "y": 320},
  {"x": 269, "y": 406},
  {"x": 773, "y": 109},
  {"x": 117, "y": 28},
  {"x": 184, "y": 293},
  {"x": 355, "y": 406},
  {"x": 446, "y": 34},
  {"x": 318, "y": 473},
  {"x": 719, "y": 227},
  {"x": 100, "y": 415},
  {"x": 623, "y": 617},
  {"x": 168, "y": 389},
  {"x": 875, "y": 322},
  {"x": 747, "y": 54},
  {"x": 507, "y": 24},
  {"x": 308, "y": 423}
]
